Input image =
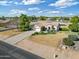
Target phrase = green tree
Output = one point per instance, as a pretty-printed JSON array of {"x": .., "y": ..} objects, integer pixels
[
  {"x": 66, "y": 18},
  {"x": 55, "y": 18},
  {"x": 74, "y": 19},
  {"x": 16, "y": 18},
  {"x": 43, "y": 28},
  {"x": 74, "y": 27},
  {"x": 3, "y": 18},
  {"x": 75, "y": 24},
  {"x": 42, "y": 18},
  {"x": 33, "y": 18},
  {"x": 24, "y": 23}
]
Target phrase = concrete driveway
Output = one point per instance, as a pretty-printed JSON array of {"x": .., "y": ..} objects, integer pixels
[{"x": 15, "y": 39}]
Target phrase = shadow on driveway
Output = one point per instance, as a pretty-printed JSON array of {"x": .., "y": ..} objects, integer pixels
[{"x": 8, "y": 51}]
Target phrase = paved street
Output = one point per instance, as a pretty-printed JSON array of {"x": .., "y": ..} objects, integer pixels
[{"x": 8, "y": 51}]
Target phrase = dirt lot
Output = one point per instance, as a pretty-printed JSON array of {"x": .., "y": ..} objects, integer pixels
[
  {"x": 50, "y": 39},
  {"x": 9, "y": 33}
]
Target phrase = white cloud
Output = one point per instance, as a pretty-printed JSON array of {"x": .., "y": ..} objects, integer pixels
[
  {"x": 29, "y": 2},
  {"x": 17, "y": 3},
  {"x": 35, "y": 8},
  {"x": 5, "y": 2},
  {"x": 23, "y": 2},
  {"x": 64, "y": 3},
  {"x": 17, "y": 12},
  {"x": 54, "y": 12},
  {"x": 50, "y": 12},
  {"x": 40, "y": 11},
  {"x": 71, "y": 14}
]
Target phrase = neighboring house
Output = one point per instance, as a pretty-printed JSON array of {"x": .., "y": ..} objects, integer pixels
[
  {"x": 9, "y": 23},
  {"x": 48, "y": 25}
]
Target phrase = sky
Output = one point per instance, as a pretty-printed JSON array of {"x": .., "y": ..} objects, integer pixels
[{"x": 39, "y": 7}]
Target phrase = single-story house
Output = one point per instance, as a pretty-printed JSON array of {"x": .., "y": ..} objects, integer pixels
[
  {"x": 9, "y": 23},
  {"x": 47, "y": 24}
]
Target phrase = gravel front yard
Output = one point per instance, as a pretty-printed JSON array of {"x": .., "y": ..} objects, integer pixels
[
  {"x": 9, "y": 33},
  {"x": 50, "y": 39}
]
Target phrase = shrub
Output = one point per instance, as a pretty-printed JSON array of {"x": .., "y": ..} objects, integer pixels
[
  {"x": 68, "y": 42},
  {"x": 64, "y": 29},
  {"x": 43, "y": 28},
  {"x": 42, "y": 32},
  {"x": 78, "y": 33},
  {"x": 52, "y": 32},
  {"x": 73, "y": 37},
  {"x": 36, "y": 33}
]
